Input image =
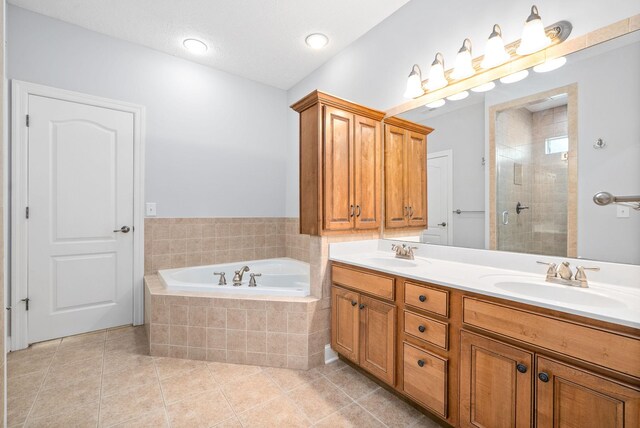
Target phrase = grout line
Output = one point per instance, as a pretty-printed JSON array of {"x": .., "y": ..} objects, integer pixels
[
  {"x": 101, "y": 377},
  {"x": 42, "y": 384},
  {"x": 164, "y": 403}
]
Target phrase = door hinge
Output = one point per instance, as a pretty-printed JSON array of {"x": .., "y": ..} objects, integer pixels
[
  {"x": 26, "y": 212},
  {"x": 27, "y": 121},
  {"x": 26, "y": 302}
]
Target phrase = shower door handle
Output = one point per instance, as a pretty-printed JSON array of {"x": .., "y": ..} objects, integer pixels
[{"x": 505, "y": 217}]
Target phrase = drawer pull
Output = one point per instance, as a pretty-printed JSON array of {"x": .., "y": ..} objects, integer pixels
[
  {"x": 361, "y": 306},
  {"x": 422, "y": 298},
  {"x": 543, "y": 377},
  {"x": 422, "y": 328},
  {"x": 353, "y": 303},
  {"x": 521, "y": 368},
  {"x": 421, "y": 363}
]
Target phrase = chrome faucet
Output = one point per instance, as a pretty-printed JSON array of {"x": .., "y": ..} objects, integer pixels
[
  {"x": 252, "y": 279},
  {"x": 403, "y": 251},
  {"x": 223, "y": 279},
  {"x": 237, "y": 278},
  {"x": 562, "y": 274}
]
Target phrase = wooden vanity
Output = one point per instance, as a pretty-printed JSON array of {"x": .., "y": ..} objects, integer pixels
[{"x": 478, "y": 361}]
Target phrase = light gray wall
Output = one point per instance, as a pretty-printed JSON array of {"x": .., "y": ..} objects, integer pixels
[{"x": 215, "y": 142}]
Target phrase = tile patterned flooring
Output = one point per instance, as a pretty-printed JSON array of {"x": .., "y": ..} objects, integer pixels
[{"x": 107, "y": 378}]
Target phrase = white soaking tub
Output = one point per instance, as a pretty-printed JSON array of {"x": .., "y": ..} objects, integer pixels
[{"x": 280, "y": 277}]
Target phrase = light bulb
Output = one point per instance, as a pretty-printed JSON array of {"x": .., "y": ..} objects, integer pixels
[
  {"x": 436, "y": 74},
  {"x": 484, "y": 87},
  {"x": 459, "y": 96},
  {"x": 195, "y": 46},
  {"x": 414, "y": 83},
  {"x": 464, "y": 62},
  {"x": 550, "y": 65},
  {"x": 436, "y": 104},
  {"x": 515, "y": 77},
  {"x": 494, "y": 53},
  {"x": 534, "y": 37},
  {"x": 316, "y": 40}
]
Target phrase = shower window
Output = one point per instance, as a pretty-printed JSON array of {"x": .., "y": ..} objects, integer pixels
[{"x": 556, "y": 145}]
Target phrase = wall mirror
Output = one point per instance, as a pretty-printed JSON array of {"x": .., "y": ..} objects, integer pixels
[{"x": 516, "y": 168}]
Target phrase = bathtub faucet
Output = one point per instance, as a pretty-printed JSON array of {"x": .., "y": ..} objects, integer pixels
[{"x": 237, "y": 278}]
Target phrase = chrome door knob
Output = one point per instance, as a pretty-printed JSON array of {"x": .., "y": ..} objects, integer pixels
[
  {"x": 443, "y": 224},
  {"x": 123, "y": 229}
]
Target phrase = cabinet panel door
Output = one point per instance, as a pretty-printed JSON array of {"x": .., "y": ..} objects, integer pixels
[
  {"x": 338, "y": 169},
  {"x": 367, "y": 173},
  {"x": 416, "y": 171},
  {"x": 344, "y": 322},
  {"x": 377, "y": 343},
  {"x": 395, "y": 146},
  {"x": 496, "y": 382},
  {"x": 574, "y": 398}
]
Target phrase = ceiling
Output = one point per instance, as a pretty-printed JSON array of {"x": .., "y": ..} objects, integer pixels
[{"x": 262, "y": 40}]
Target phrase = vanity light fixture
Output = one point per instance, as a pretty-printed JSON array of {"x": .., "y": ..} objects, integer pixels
[
  {"x": 464, "y": 62},
  {"x": 436, "y": 104},
  {"x": 414, "y": 83},
  {"x": 436, "y": 74},
  {"x": 459, "y": 96},
  {"x": 550, "y": 65},
  {"x": 534, "y": 37},
  {"x": 195, "y": 46},
  {"x": 515, "y": 77},
  {"x": 484, "y": 87},
  {"x": 494, "y": 53},
  {"x": 316, "y": 40}
]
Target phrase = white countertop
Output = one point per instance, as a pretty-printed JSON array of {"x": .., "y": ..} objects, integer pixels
[{"x": 480, "y": 271}]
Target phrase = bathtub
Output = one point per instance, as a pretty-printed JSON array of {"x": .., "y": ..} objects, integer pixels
[{"x": 280, "y": 277}]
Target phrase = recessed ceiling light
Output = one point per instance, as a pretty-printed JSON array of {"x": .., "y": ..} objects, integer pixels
[
  {"x": 459, "y": 96},
  {"x": 484, "y": 87},
  {"x": 316, "y": 40},
  {"x": 195, "y": 46},
  {"x": 435, "y": 104},
  {"x": 550, "y": 65}
]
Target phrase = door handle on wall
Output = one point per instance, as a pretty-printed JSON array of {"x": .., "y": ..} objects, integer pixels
[
  {"x": 123, "y": 229},
  {"x": 505, "y": 217},
  {"x": 443, "y": 224}
]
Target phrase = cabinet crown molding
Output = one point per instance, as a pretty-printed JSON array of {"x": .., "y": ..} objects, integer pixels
[
  {"x": 316, "y": 97},
  {"x": 405, "y": 124}
]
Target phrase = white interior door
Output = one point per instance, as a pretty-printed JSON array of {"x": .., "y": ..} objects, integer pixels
[
  {"x": 80, "y": 192},
  {"x": 439, "y": 195}
]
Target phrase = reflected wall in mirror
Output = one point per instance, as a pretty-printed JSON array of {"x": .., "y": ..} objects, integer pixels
[{"x": 533, "y": 142}]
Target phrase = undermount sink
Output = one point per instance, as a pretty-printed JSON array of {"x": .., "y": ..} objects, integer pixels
[{"x": 391, "y": 262}]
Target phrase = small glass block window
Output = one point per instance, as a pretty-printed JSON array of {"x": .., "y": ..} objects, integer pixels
[{"x": 556, "y": 145}]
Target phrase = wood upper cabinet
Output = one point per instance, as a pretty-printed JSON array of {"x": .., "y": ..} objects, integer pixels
[
  {"x": 340, "y": 165},
  {"x": 568, "y": 397},
  {"x": 377, "y": 350},
  {"x": 496, "y": 384},
  {"x": 405, "y": 169}
]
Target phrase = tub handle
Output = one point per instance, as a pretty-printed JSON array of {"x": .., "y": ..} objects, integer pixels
[
  {"x": 252, "y": 279},
  {"x": 223, "y": 279}
]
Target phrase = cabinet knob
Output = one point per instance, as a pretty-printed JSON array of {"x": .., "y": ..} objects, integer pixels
[
  {"x": 422, "y": 328},
  {"x": 353, "y": 303},
  {"x": 421, "y": 363},
  {"x": 543, "y": 377},
  {"x": 361, "y": 306},
  {"x": 521, "y": 368},
  {"x": 422, "y": 298}
]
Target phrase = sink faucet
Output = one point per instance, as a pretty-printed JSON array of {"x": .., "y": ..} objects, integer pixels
[
  {"x": 403, "y": 251},
  {"x": 566, "y": 277},
  {"x": 237, "y": 278}
]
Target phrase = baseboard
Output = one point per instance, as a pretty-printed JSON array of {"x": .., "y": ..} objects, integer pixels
[{"x": 329, "y": 354}]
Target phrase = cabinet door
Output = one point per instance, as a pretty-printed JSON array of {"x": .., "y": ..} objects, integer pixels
[
  {"x": 367, "y": 173},
  {"x": 344, "y": 322},
  {"x": 377, "y": 338},
  {"x": 569, "y": 397},
  {"x": 416, "y": 171},
  {"x": 496, "y": 382},
  {"x": 338, "y": 202},
  {"x": 395, "y": 147}
]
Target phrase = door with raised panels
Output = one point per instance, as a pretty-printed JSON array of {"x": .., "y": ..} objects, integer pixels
[
  {"x": 568, "y": 397},
  {"x": 495, "y": 384},
  {"x": 339, "y": 206},
  {"x": 80, "y": 243},
  {"x": 344, "y": 322},
  {"x": 439, "y": 198},
  {"x": 416, "y": 171},
  {"x": 378, "y": 333},
  {"x": 367, "y": 173},
  {"x": 395, "y": 146}
]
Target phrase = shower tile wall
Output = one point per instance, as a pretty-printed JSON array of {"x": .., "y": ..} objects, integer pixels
[{"x": 520, "y": 140}]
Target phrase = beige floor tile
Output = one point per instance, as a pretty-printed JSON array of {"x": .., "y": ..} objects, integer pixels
[
  {"x": 178, "y": 388},
  {"x": 352, "y": 416},
  {"x": 73, "y": 372},
  {"x": 132, "y": 343},
  {"x": 319, "y": 398},
  {"x": 288, "y": 379},
  {"x": 154, "y": 419},
  {"x": 84, "y": 416},
  {"x": 78, "y": 353},
  {"x": 81, "y": 339},
  {"x": 126, "y": 330},
  {"x": 230, "y": 423},
  {"x": 328, "y": 368},
  {"x": 120, "y": 361},
  {"x": 279, "y": 412},
  {"x": 352, "y": 383},
  {"x": 203, "y": 410},
  {"x": 75, "y": 394},
  {"x": 425, "y": 422},
  {"x": 169, "y": 367},
  {"x": 23, "y": 366},
  {"x": 249, "y": 391},
  {"x": 225, "y": 372},
  {"x": 18, "y": 409},
  {"x": 25, "y": 386},
  {"x": 130, "y": 403},
  {"x": 390, "y": 409},
  {"x": 36, "y": 350},
  {"x": 128, "y": 378}
]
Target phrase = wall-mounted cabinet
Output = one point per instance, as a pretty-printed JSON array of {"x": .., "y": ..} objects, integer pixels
[
  {"x": 340, "y": 165},
  {"x": 405, "y": 172}
]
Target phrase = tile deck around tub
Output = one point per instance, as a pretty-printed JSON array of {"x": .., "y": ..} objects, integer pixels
[{"x": 108, "y": 378}]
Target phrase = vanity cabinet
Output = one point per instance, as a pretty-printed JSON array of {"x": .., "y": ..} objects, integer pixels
[
  {"x": 340, "y": 165},
  {"x": 405, "y": 169}
]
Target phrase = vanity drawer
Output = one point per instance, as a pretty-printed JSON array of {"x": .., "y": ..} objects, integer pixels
[
  {"x": 427, "y": 298},
  {"x": 431, "y": 331},
  {"x": 377, "y": 285},
  {"x": 605, "y": 348},
  {"x": 425, "y": 378}
]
